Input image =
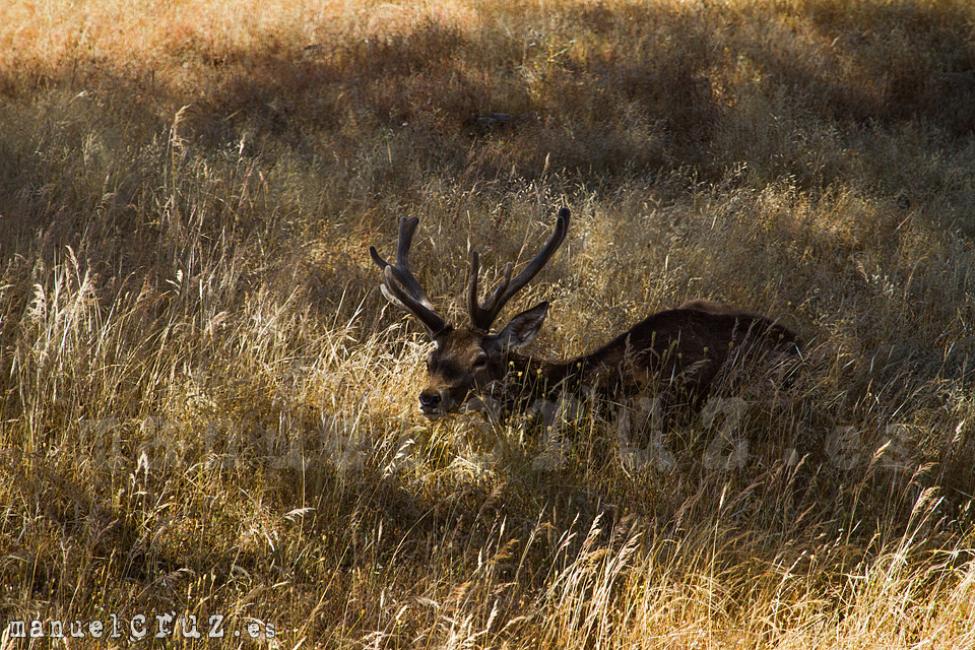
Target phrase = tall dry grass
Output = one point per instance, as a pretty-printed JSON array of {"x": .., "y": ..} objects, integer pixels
[{"x": 207, "y": 408}]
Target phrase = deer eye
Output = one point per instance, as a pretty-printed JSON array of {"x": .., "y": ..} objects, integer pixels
[{"x": 481, "y": 361}]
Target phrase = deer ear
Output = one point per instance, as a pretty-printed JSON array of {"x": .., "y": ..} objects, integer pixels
[{"x": 522, "y": 328}]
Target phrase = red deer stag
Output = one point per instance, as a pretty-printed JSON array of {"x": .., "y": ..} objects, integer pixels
[{"x": 686, "y": 346}]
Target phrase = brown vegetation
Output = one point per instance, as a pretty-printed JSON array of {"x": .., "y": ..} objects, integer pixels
[{"x": 205, "y": 405}]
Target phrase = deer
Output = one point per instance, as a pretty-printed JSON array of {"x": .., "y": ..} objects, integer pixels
[{"x": 687, "y": 347}]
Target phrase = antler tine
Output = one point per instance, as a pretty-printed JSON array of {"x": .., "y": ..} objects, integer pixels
[
  {"x": 482, "y": 316},
  {"x": 399, "y": 284},
  {"x": 472, "y": 305}
]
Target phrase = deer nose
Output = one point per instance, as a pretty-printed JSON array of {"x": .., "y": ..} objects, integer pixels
[{"x": 429, "y": 400}]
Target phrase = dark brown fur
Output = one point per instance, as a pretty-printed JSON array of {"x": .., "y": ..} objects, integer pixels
[{"x": 684, "y": 348}]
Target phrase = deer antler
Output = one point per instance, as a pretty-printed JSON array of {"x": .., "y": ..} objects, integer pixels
[
  {"x": 482, "y": 316},
  {"x": 400, "y": 286}
]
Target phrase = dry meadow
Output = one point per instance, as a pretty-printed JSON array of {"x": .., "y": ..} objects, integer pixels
[{"x": 207, "y": 407}]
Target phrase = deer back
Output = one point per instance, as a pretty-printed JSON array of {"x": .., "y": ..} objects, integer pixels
[{"x": 687, "y": 345}]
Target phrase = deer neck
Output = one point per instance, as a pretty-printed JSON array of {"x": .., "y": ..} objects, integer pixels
[{"x": 530, "y": 378}]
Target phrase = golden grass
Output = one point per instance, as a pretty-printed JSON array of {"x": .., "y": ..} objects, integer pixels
[{"x": 207, "y": 407}]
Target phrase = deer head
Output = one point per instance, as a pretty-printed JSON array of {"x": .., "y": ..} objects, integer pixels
[{"x": 466, "y": 360}]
